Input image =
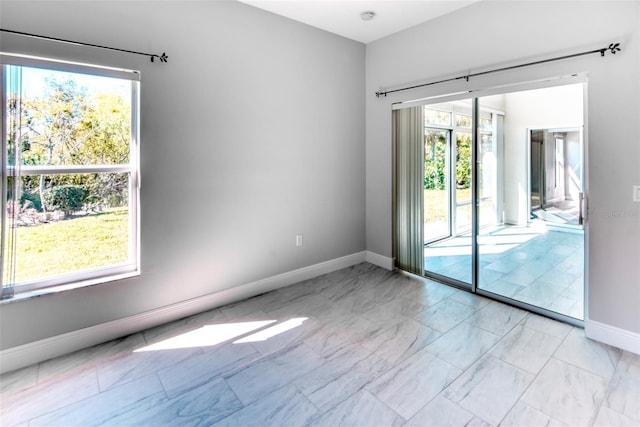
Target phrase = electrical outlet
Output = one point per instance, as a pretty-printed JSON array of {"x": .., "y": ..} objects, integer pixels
[
  {"x": 636, "y": 193},
  {"x": 298, "y": 240}
]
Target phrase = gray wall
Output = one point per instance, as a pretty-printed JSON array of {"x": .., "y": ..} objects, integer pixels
[
  {"x": 251, "y": 133},
  {"x": 491, "y": 33}
]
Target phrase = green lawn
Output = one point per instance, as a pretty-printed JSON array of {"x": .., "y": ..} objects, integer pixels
[
  {"x": 75, "y": 244},
  {"x": 435, "y": 213},
  {"x": 435, "y": 203}
]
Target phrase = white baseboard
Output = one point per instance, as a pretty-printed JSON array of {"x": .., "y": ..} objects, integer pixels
[
  {"x": 38, "y": 351},
  {"x": 379, "y": 260},
  {"x": 611, "y": 335}
]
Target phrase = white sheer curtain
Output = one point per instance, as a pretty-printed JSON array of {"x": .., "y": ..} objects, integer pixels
[{"x": 408, "y": 189}]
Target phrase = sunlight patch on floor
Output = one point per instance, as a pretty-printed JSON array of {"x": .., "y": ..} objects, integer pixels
[
  {"x": 207, "y": 336},
  {"x": 272, "y": 331},
  {"x": 210, "y": 335}
]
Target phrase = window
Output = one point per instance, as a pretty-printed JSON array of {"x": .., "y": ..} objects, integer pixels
[
  {"x": 437, "y": 117},
  {"x": 463, "y": 121},
  {"x": 70, "y": 173}
]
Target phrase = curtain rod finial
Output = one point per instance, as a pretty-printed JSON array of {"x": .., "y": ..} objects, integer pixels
[
  {"x": 614, "y": 47},
  {"x": 162, "y": 58}
]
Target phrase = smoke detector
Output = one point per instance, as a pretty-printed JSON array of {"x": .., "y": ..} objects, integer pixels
[{"x": 367, "y": 15}]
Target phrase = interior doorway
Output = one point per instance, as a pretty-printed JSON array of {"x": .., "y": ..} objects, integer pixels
[{"x": 556, "y": 176}]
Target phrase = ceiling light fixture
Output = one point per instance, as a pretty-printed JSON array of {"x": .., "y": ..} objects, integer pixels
[{"x": 367, "y": 15}]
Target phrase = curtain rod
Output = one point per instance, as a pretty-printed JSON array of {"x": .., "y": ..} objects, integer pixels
[
  {"x": 613, "y": 48},
  {"x": 163, "y": 57}
]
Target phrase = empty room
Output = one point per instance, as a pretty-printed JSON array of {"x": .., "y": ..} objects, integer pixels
[{"x": 320, "y": 213}]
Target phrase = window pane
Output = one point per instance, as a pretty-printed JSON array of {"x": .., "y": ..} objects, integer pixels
[
  {"x": 463, "y": 120},
  {"x": 436, "y": 198},
  {"x": 487, "y": 162},
  {"x": 463, "y": 165},
  {"x": 437, "y": 117},
  {"x": 69, "y": 118},
  {"x": 69, "y": 223},
  {"x": 486, "y": 124},
  {"x": 463, "y": 181}
]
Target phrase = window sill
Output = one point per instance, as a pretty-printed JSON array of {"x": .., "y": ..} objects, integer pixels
[{"x": 36, "y": 293}]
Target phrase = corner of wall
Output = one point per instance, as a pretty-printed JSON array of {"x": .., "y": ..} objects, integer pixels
[{"x": 380, "y": 260}]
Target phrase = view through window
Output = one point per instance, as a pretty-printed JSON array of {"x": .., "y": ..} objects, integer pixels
[{"x": 70, "y": 174}]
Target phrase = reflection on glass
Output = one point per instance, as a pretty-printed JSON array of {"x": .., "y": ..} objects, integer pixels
[{"x": 529, "y": 250}]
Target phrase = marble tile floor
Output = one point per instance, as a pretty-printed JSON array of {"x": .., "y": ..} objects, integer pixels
[
  {"x": 360, "y": 346},
  {"x": 539, "y": 266}
]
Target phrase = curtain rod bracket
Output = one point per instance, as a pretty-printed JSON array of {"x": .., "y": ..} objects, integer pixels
[{"x": 162, "y": 58}]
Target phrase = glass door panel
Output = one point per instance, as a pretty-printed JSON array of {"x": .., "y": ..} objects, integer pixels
[
  {"x": 526, "y": 251},
  {"x": 447, "y": 201},
  {"x": 437, "y": 218},
  {"x": 463, "y": 182},
  {"x": 487, "y": 175}
]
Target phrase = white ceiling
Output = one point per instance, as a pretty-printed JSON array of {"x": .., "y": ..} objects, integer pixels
[{"x": 343, "y": 17}]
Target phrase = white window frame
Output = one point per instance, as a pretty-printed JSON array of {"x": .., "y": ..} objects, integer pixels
[{"x": 101, "y": 274}]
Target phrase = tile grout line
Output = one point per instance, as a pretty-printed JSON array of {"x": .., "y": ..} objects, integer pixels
[
  {"x": 538, "y": 374},
  {"x": 487, "y": 354},
  {"x": 362, "y": 338}
]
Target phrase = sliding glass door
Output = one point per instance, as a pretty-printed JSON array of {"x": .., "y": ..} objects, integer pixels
[
  {"x": 512, "y": 228},
  {"x": 447, "y": 191}
]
